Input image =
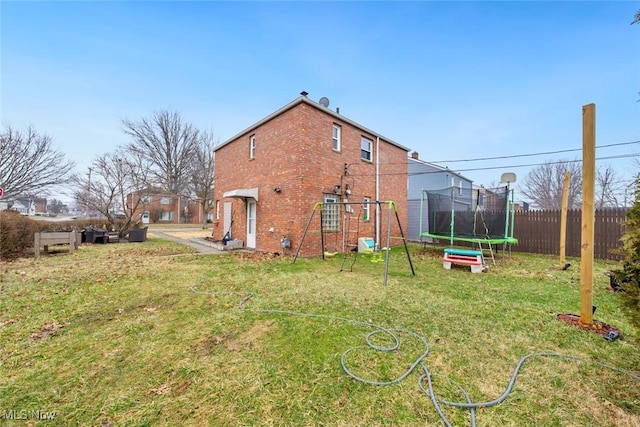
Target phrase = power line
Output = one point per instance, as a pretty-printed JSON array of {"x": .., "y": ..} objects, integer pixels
[
  {"x": 520, "y": 155},
  {"x": 499, "y": 167},
  {"x": 542, "y": 153}
]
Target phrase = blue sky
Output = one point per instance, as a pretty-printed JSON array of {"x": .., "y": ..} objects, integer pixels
[{"x": 451, "y": 80}]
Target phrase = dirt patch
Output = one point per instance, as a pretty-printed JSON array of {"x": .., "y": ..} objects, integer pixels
[
  {"x": 47, "y": 330},
  {"x": 597, "y": 327},
  {"x": 257, "y": 256},
  {"x": 250, "y": 339}
]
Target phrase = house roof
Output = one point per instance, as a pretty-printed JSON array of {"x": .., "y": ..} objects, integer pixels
[
  {"x": 304, "y": 100},
  {"x": 438, "y": 167}
]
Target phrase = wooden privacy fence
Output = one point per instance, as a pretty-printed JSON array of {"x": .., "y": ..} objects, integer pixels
[{"x": 539, "y": 232}]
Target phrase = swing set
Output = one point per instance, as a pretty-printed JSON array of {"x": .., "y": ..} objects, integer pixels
[{"x": 351, "y": 244}]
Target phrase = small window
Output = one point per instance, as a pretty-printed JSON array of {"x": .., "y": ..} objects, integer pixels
[
  {"x": 365, "y": 149},
  {"x": 217, "y": 209},
  {"x": 366, "y": 215},
  {"x": 165, "y": 201},
  {"x": 330, "y": 213},
  {"x": 337, "y": 135},
  {"x": 166, "y": 216},
  {"x": 252, "y": 147}
]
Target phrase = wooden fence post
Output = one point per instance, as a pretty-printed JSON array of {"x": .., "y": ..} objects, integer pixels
[
  {"x": 588, "y": 214},
  {"x": 563, "y": 219}
]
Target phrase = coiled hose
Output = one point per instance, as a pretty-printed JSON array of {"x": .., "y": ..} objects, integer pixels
[{"x": 418, "y": 362}]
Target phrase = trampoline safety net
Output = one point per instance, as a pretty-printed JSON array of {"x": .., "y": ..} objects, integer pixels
[{"x": 473, "y": 213}]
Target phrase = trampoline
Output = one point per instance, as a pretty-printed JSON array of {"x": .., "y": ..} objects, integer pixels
[{"x": 481, "y": 216}]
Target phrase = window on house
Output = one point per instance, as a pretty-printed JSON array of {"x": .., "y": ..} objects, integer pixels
[
  {"x": 146, "y": 200},
  {"x": 337, "y": 136},
  {"x": 165, "y": 201},
  {"x": 217, "y": 209},
  {"x": 366, "y": 215},
  {"x": 330, "y": 213},
  {"x": 365, "y": 149},
  {"x": 252, "y": 147},
  {"x": 166, "y": 216}
]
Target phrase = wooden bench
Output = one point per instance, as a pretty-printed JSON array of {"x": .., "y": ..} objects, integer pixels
[
  {"x": 473, "y": 259},
  {"x": 46, "y": 238}
]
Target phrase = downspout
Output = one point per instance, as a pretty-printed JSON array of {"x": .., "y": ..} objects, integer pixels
[
  {"x": 377, "y": 239},
  {"x": 178, "y": 216}
]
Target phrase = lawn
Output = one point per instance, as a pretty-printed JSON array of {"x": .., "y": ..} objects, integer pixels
[{"x": 152, "y": 334}]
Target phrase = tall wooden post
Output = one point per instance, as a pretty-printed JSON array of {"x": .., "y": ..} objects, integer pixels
[
  {"x": 563, "y": 219},
  {"x": 588, "y": 213}
]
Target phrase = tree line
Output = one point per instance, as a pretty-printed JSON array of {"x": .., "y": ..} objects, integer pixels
[{"x": 166, "y": 154}]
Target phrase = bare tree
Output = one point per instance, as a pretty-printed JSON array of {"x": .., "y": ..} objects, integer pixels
[
  {"x": 29, "y": 164},
  {"x": 168, "y": 145},
  {"x": 202, "y": 175},
  {"x": 108, "y": 187},
  {"x": 636, "y": 20},
  {"x": 56, "y": 207},
  {"x": 543, "y": 185},
  {"x": 608, "y": 188}
]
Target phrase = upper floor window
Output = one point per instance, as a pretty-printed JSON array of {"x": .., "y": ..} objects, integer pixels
[
  {"x": 337, "y": 135},
  {"x": 365, "y": 149},
  {"x": 252, "y": 146},
  {"x": 165, "y": 201}
]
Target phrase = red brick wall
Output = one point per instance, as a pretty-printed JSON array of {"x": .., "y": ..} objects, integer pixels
[
  {"x": 155, "y": 206},
  {"x": 294, "y": 152}
]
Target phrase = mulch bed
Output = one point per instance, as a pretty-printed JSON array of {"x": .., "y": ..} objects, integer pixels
[{"x": 598, "y": 327}]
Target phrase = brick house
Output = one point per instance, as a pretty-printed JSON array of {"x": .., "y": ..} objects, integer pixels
[
  {"x": 164, "y": 208},
  {"x": 270, "y": 176}
]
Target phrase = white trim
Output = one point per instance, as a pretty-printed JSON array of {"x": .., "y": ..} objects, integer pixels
[{"x": 242, "y": 192}]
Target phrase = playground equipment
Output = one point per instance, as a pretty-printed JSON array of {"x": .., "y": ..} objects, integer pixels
[
  {"x": 352, "y": 243},
  {"x": 474, "y": 259},
  {"x": 482, "y": 217}
]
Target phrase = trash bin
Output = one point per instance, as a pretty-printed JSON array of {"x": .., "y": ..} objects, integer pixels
[
  {"x": 138, "y": 234},
  {"x": 96, "y": 235}
]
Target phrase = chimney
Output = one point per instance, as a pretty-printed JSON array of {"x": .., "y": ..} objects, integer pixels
[{"x": 414, "y": 155}]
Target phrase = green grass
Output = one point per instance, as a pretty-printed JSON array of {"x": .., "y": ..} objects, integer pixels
[{"x": 152, "y": 334}]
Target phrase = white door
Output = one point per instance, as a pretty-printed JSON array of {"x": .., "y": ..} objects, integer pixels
[
  {"x": 226, "y": 220},
  {"x": 251, "y": 224},
  {"x": 145, "y": 217}
]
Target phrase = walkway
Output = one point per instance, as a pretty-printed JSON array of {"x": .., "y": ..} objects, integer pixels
[{"x": 200, "y": 245}]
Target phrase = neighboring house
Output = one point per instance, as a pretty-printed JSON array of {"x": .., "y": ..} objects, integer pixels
[
  {"x": 30, "y": 205},
  {"x": 270, "y": 176},
  {"x": 22, "y": 206},
  {"x": 429, "y": 177},
  {"x": 164, "y": 208}
]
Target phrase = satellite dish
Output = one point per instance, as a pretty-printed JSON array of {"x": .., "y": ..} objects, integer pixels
[
  {"x": 508, "y": 178},
  {"x": 324, "y": 101}
]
